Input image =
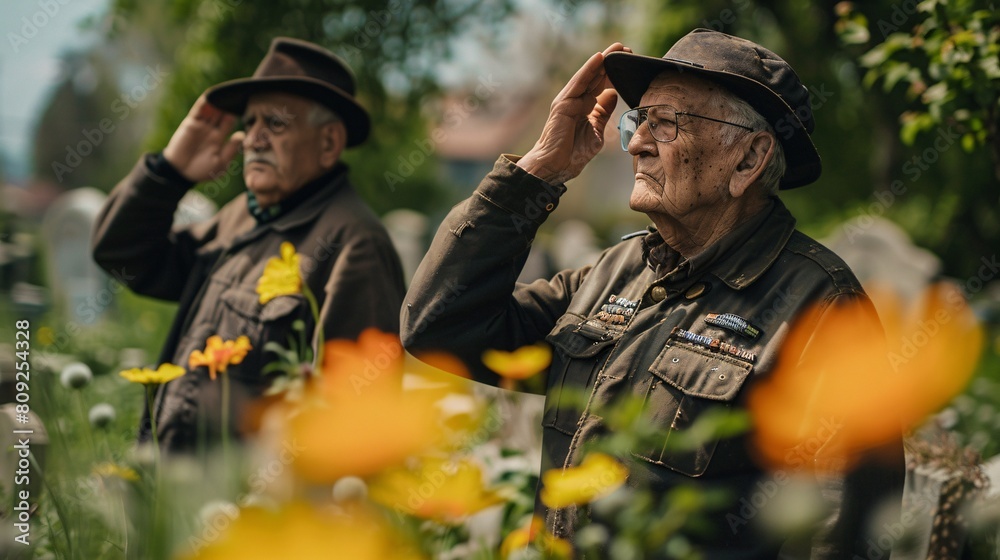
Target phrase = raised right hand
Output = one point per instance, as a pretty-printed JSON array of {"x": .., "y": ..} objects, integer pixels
[
  {"x": 574, "y": 131},
  {"x": 202, "y": 147}
]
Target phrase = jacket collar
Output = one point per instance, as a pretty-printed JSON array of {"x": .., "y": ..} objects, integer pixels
[
  {"x": 295, "y": 200},
  {"x": 738, "y": 259},
  {"x": 304, "y": 210}
]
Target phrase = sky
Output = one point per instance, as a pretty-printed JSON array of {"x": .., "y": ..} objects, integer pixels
[{"x": 34, "y": 34}]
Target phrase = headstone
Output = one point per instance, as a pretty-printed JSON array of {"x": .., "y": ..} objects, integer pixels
[
  {"x": 193, "y": 208},
  {"x": 408, "y": 231},
  {"x": 574, "y": 245},
  {"x": 79, "y": 288},
  {"x": 882, "y": 255}
]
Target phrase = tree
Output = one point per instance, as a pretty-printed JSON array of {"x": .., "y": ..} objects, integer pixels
[
  {"x": 939, "y": 61},
  {"x": 393, "y": 47}
]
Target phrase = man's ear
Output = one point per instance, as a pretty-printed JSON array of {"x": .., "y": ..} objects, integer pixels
[
  {"x": 332, "y": 141},
  {"x": 757, "y": 153}
]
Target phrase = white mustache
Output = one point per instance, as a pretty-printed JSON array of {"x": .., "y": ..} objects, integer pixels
[{"x": 260, "y": 157}]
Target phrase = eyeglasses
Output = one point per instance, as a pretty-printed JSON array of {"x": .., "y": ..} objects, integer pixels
[{"x": 661, "y": 120}]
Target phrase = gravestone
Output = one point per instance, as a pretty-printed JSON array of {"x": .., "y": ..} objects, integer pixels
[
  {"x": 408, "y": 231},
  {"x": 79, "y": 288}
]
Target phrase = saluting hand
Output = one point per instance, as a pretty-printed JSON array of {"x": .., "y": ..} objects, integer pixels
[
  {"x": 201, "y": 147},
  {"x": 574, "y": 132}
]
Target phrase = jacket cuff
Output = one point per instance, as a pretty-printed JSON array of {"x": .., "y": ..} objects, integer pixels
[
  {"x": 518, "y": 192},
  {"x": 163, "y": 172}
]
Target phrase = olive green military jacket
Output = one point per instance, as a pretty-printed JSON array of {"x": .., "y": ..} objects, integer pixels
[{"x": 643, "y": 322}]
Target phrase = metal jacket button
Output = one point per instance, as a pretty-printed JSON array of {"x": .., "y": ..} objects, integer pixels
[
  {"x": 658, "y": 293},
  {"x": 695, "y": 291}
]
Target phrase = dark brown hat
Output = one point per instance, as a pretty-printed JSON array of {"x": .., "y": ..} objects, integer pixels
[
  {"x": 305, "y": 69},
  {"x": 751, "y": 72}
]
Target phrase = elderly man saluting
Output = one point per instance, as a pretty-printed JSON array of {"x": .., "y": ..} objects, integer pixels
[
  {"x": 685, "y": 316},
  {"x": 299, "y": 114}
]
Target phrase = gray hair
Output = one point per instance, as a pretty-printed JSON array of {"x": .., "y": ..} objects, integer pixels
[
  {"x": 740, "y": 112},
  {"x": 320, "y": 115}
]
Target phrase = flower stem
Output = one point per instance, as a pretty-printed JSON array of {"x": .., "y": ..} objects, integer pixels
[
  {"x": 314, "y": 307},
  {"x": 150, "y": 390},
  {"x": 225, "y": 424}
]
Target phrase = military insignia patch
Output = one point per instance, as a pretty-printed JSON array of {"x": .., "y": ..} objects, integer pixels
[
  {"x": 734, "y": 323},
  {"x": 714, "y": 344},
  {"x": 618, "y": 310}
]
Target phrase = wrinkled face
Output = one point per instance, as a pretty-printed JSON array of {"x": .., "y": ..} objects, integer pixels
[
  {"x": 282, "y": 151},
  {"x": 690, "y": 173}
]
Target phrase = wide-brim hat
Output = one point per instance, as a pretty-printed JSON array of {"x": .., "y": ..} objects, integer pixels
[
  {"x": 748, "y": 70},
  {"x": 302, "y": 68}
]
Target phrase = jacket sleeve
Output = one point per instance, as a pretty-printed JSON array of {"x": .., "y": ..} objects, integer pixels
[
  {"x": 133, "y": 239},
  {"x": 464, "y": 297}
]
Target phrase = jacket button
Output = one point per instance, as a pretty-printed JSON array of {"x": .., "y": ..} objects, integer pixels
[
  {"x": 658, "y": 293},
  {"x": 695, "y": 291}
]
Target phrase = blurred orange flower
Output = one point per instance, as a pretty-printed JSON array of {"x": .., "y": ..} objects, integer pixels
[
  {"x": 357, "y": 419},
  {"x": 534, "y": 533},
  {"x": 281, "y": 275},
  {"x": 301, "y": 531},
  {"x": 166, "y": 372},
  {"x": 522, "y": 363},
  {"x": 219, "y": 354},
  {"x": 598, "y": 475},
  {"x": 439, "y": 489},
  {"x": 840, "y": 388}
]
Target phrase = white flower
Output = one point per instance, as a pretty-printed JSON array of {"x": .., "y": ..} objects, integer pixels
[
  {"x": 76, "y": 375},
  {"x": 101, "y": 415},
  {"x": 218, "y": 512},
  {"x": 349, "y": 489}
]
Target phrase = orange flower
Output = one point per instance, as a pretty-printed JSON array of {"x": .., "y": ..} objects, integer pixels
[
  {"x": 838, "y": 389},
  {"x": 522, "y": 363},
  {"x": 534, "y": 533},
  {"x": 357, "y": 419},
  {"x": 300, "y": 531},
  {"x": 439, "y": 489},
  {"x": 281, "y": 275},
  {"x": 219, "y": 354},
  {"x": 598, "y": 475}
]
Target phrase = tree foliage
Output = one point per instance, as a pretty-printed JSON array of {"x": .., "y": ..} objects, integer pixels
[
  {"x": 949, "y": 63},
  {"x": 393, "y": 46}
]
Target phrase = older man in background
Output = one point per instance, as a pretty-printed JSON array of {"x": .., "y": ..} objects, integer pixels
[
  {"x": 687, "y": 316},
  {"x": 299, "y": 114}
]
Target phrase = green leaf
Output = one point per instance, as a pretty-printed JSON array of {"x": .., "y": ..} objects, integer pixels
[
  {"x": 936, "y": 93},
  {"x": 968, "y": 142},
  {"x": 853, "y": 31},
  {"x": 896, "y": 72}
]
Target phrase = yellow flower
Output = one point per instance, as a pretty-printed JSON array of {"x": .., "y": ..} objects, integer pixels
[
  {"x": 281, "y": 275},
  {"x": 108, "y": 470},
  {"x": 597, "y": 476},
  {"x": 301, "y": 531},
  {"x": 146, "y": 376},
  {"x": 522, "y": 363},
  {"x": 839, "y": 388},
  {"x": 534, "y": 532},
  {"x": 219, "y": 354},
  {"x": 439, "y": 489}
]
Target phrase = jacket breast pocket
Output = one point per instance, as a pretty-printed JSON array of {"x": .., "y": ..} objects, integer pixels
[
  {"x": 242, "y": 314},
  {"x": 580, "y": 350},
  {"x": 686, "y": 381}
]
